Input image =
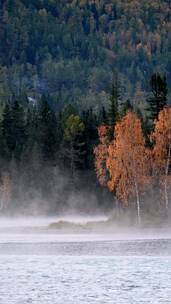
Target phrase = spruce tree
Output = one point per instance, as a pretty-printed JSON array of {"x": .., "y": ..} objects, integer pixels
[
  {"x": 18, "y": 129},
  {"x": 13, "y": 130},
  {"x": 47, "y": 131},
  {"x": 126, "y": 106},
  {"x": 158, "y": 99},
  {"x": 113, "y": 113},
  {"x": 74, "y": 146},
  {"x": 102, "y": 118},
  {"x": 90, "y": 134},
  {"x": 7, "y": 139}
]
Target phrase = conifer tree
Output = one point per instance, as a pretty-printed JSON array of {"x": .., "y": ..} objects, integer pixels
[
  {"x": 47, "y": 131},
  {"x": 13, "y": 130},
  {"x": 6, "y": 125},
  {"x": 74, "y": 145},
  {"x": 126, "y": 106},
  {"x": 158, "y": 99},
  {"x": 90, "y": 135},
  {"x": 103, "y": 119},
  {"x": 113, "y": 112},
  {"x": 18, "y": 129}
]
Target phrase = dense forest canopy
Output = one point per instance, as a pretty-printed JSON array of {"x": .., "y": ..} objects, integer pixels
[{"x": 69, "y": 49}]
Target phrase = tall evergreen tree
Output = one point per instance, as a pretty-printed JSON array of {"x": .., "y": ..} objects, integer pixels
[
  {"x": 6, "y": 125},
  {"x": 47, "y": 131},
  {"x": 102, "y": 118},
  {"x": 73, "y": 148},
  {"x": 126, "y": 106},
  {"x": 18, "y": 129},
  {"x": 158, "y": 98},
  {"x": 90, "y": 135},
  {"x": 113, "y": 112},
  {"x": 13, "y": 130}
]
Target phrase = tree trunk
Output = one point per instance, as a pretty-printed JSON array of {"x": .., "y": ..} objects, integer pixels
[
  {"x": 1, "y": 204},
  {"x": 166, "y": 175},
  {"x": 72, "y": 159},
  {"x": 138, "y": 203}
]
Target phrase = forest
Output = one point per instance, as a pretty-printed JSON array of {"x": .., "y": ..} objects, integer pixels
[
  {"x": 84, "y": 162},
  {"x": 84, "y": 115},
  {"x": 42, "y": 51}
]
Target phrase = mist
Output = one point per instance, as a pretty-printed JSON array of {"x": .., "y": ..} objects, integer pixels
[{"x": 50, "y": 195}]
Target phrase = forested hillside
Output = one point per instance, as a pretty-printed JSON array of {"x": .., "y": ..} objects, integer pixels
[
  {"x": 69, "y": 49},
  {"x": 69, "y": 71}
]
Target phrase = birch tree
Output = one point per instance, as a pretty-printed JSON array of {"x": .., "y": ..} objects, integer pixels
[
  {"x": 161, "y": 153},
  {"x": 101, "y": 154},
  {"x": 126, "y": 161}
]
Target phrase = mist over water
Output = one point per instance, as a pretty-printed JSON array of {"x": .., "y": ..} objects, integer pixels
[
  {"x": 82, "y": 259},
  {"x": 75, "y": 228}
]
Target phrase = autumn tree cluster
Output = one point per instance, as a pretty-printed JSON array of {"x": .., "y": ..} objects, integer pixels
[{"x": 134, "y": 165}]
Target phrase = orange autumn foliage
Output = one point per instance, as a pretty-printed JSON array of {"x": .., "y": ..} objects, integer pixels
[
  {"x": 126, "y": 160},
  {"x": 101, "y": 154},
  {"x": 162, "y": 141},
  {"x": 161, "y": 153}
]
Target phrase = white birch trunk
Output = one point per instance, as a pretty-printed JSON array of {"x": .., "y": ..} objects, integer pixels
[{"x": 138, "y": 203}]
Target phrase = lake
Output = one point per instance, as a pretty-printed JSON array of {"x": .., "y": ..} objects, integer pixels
[
  {"x": 84, "y": 279},
  {"x": 42, "y": 266}
]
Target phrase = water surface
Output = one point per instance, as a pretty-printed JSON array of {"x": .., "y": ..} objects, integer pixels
[
  {"x": 76, "y": 280},
  {"x": 43, "y": 266}
]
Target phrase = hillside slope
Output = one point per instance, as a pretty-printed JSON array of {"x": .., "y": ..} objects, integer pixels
[{"x": 70, "y": 48}]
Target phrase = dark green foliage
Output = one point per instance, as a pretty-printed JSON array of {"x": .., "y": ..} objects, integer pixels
[
  {"x": 90, "y": 135},
  {"x": 127, "y": 106},
  {"x": 113, "y": 113},
  {"x": 69, "y": 49},
  {"x": 73, "y": 144},
  {"x": 47, "y": 131},
  {"x": 6, "y": 125},
  {"x": 13, "y": 130},
  {"x": 103, "y": 117},
  {"x": 158, "y": 100},
  {"x": 56, "y": 63}
]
